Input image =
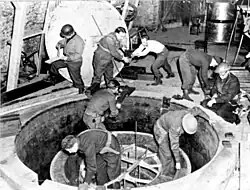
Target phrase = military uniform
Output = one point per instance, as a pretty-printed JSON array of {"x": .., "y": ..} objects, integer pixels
[
  {"x": 100, "y": 101},
  {"x": 108, "y": 48},
  {"x": 226, "y": 89},
  {"x": 167, "y": 130},
  {"x": 73, "y": 49},
  {"x": 102, "y": 155},
  {"x": 189, "y": 62}
]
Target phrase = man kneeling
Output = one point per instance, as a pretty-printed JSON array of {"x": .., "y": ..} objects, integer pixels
[{"x": 225, "y": 89}]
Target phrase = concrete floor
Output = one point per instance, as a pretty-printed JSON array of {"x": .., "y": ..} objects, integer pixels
[{"x": 177, "y": 37}]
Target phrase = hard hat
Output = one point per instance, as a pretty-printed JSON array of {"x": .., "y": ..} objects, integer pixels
[
  {"x": 67, "y": 30},
  {"x": 113, "y": 84},
  {"x": 223, "y": 67},
  {"x": 189, "y": 123}
]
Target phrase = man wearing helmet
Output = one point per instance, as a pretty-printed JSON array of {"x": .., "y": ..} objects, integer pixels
[
  {"x": 102, "y": 156},
  {"x": 107, "y": 50},
  {"x": 102, "y": 100},
  {"x": 225, "y": 89},
  {"x": 73, "y": 46},
  {"x": 192, "y": 61},
  {"x": 167, "y": 131}
]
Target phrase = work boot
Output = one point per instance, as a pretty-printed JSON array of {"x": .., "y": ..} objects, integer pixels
[
  {"x": 192, "y": 91},
  {"x": 81, "y": 90},
  {"x": 171, "y": 75},
  {"x": 50, "y": 79},
  {"x": 157, "y": 82},
  {"x": 186, "y": 95},
  {"x": 93, "y": 88}
]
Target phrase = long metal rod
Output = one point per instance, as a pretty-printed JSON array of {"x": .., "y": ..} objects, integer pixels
[
  {"x": 237, "y": 53},
  {"x": 231, "y": 36}
]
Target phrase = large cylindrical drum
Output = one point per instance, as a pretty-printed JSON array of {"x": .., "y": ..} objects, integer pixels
[
  {"x": 218, "y": 32},
  {"x": 91, "y": 20},
  {"x": 220, "y": 21},
  {"x": 222, "y": 11}
]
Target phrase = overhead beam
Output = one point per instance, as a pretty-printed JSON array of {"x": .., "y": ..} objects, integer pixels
[{"x": 16, "y": 44}]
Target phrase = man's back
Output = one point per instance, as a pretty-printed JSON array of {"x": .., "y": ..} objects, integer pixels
[{"x": 101, "y": 101}]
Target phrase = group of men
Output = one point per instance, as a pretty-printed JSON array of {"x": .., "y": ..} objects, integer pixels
[{"x": 101, "y": 149}]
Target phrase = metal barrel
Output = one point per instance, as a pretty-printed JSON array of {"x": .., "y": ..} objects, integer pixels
[{"x": 220, "y": 21}]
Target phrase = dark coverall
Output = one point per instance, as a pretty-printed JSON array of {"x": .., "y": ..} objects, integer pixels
[
  {"x": 226, "y": 89},
  {"x": 167, "y": 130},
  {"x": 106, "y": 165},
  {"x": 73, "y": 49},
  {"x": 191, "y": 61},
  {"x": 100, "y": 101},
  {"x": 108, "y": 48},
  {"x": 161, "y": 61}
]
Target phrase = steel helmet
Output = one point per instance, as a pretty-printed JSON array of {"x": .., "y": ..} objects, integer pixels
[
  {"x": 223, "y": 67},
  {"x": 114, "y": 84},
  {"x": 189, "y": 123},
  {"x": 67, "y": 30}
]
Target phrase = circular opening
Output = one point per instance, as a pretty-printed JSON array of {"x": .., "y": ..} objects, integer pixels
[{"x": 39, "y": 140}]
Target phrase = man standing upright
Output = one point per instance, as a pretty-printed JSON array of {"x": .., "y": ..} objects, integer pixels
[
  {"x": 107, "y": 50},
  {"x": 73, "y": 46},
  {"x": 191, "y": 62},
  {"x": 161, "y": 60}
]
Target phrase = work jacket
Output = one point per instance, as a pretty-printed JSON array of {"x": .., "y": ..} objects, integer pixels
[
  {"x": 92, "y": 142},
  {"x": 110, "y": 45},
  {"x": 171, "y": 122},
  {"x": 73, "y": 48},
  {"x": 226, "y": 89},
  {"x": 200, "y": 60},
  {"x": 101, "y": 101}
]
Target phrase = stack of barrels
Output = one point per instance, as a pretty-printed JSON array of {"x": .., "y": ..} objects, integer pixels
[{"x": 220, "y": 21}]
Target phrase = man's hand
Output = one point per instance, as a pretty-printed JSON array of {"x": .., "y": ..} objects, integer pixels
[
  {"x": 83, "y": 186},
  {"x": 126, "y": 59},
  {"x": 118, "y": 106},
  {"x": 211, "y": 122},
  {"x": 178, "y": 166},
  {"x": 64, "y": 58},
  {"x": 211, "y": 102}
]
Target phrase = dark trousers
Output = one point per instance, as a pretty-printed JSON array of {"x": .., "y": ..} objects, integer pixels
[
  {"x": 164, "y": 152},
  {"x": 188, "y": 72},
  {"x": 74, "y": 69},
  {"x": 102, "y": 65},
  {"x": 108, "y": 165},
  {"x": 225, "y": 110},
  {"x": 161, "y": 61}
]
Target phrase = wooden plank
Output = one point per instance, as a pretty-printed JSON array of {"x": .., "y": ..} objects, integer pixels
[
  {"x": 17, "y": 42},
  {"x": 244, "y": 165}
]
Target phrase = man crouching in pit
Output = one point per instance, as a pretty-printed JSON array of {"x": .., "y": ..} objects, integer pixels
[{"x": 102, "y": 156}]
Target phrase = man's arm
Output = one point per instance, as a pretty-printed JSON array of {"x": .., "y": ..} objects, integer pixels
[
  {"x": 174, "y": 143},
  {"x": 138, "y": 51},
  {"x": 196, "y": 111},
  {"x": 114, "y": 50},
  {"x": 112, "y": 106},
  {"x": 61, "y": 44}
]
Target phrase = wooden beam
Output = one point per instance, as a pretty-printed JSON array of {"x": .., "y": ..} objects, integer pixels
[{"x": 17, "y": 43}]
